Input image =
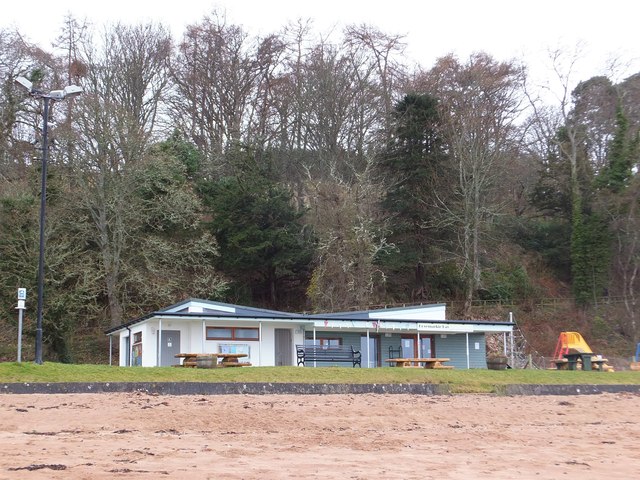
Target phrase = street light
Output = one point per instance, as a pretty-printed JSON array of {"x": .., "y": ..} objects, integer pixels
[{"x": 53, "y": 95}]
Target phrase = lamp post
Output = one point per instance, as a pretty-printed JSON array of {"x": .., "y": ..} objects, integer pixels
[{"x": 47, "y": 98}]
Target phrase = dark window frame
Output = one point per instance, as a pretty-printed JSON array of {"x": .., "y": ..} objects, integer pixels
[
  {"x": 325, "y": 342},
  {"x": 416, "y": 345},
  {"x": 233, "y": 333}
]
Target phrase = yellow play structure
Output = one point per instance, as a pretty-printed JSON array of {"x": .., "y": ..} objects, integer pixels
[{"x": 571, "y": 344}]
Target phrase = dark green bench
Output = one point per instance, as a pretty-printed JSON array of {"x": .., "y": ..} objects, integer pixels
[{"x": 322, "y": 353}]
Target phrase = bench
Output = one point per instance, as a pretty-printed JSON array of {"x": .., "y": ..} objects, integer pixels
[
  {"x": 430, "y": 363},
  {"x": 599, "y": 364},
  {"x": 395, "y": 352},
  {"x": 560, "y": 364},
  {"x": 235, "y": 364},
  {"x": 210, "y": 360},
  {"x": 319, "y": 353}
]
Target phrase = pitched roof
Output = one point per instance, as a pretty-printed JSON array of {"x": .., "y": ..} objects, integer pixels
[
  {"x": 195, "y": 307},
  {"x": 377, "y": 313},
  {"x": 192, "y": 305},
  {"x": 199, "y": 308}
]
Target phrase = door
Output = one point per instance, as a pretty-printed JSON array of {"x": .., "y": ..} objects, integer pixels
[
  {"x": 408, "y": 347},
  {"x": 426, "y": 346},
  {"x": 370, "y": 354},
  {"x": 283, "y": 347},
  {"x": 170, "y": 346}
]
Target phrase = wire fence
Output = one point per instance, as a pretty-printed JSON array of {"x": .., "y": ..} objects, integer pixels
[{"x": 552, "y": 302}]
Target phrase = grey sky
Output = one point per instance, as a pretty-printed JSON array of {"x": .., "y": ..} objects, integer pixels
[{"x": 503, "y": 28}]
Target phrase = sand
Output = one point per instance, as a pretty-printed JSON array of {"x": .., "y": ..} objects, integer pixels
[{"x": 141, "y": 436}]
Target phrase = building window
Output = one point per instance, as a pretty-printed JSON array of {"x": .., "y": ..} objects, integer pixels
[
  {"x": 324, "y": 342},
  {"x": 246, "y": 333},
  {"x": 136, "y": 349},
  {"x": 232, "y": 333}
]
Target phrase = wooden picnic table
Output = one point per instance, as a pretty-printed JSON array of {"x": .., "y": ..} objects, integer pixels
[
  {"x": 226, "y": 359},
  {"x": 431, "y": 363},
  {"x": 598, "y": 363},
  {"x": 589, "y": 362}
]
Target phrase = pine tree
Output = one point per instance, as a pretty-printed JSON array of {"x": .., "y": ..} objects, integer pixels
[
  {"x": 412, "y": 169},
  {"x": 259, "y": 232}
]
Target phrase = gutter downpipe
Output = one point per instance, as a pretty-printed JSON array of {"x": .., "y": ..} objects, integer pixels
[
  {"x": 467, "y": 337},
  {"x": 130, "y": 354},
  {"x": 368, "y": 354},
  {"x": 512, "y": 346},
  {"x": 260, "y": 344},
  {"x": 204, "y": 335},
  {"x": 158, "y": 360},
  {"x": 314, "y": 341}
]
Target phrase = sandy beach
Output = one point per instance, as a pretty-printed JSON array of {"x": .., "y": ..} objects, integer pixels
[{"x": 142, "y": 436}]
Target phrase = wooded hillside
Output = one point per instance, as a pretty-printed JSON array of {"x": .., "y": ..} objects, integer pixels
[{"x": 299, "y": 174}]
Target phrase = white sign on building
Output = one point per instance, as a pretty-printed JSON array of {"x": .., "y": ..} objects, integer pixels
[{"x": 444, "y": 327}]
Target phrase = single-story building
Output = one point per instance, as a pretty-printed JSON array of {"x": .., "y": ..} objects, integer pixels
[{"x": 269, "y": 337}]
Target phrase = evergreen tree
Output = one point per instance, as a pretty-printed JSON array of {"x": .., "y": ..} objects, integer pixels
[
  {"x": 171, "y": 256},
  {"x": 620, "y": 160},
  {"x": 618, "y": 203},
  {"x": 589, "y": 257},
  {"x": 414, "y": 172},
  {"x": 259, "y": 233}
]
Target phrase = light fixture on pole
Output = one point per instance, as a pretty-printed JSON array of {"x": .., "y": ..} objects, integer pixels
[{"x": 47, "y": 98}]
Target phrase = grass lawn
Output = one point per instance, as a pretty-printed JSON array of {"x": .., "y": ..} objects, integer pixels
[{"x": 459, "y": 381}]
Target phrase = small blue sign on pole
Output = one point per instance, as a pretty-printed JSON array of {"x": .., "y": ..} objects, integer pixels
[{"x": 22, "y": 296}]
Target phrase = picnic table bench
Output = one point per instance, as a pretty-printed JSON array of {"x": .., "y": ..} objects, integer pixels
[
  {"x": 210, "y": 360},
  {"x": 431, "y": 363},
  {"x": 588, "y": 361},
  {"x": 598, "y": 363},
  {"x": 561, "y": 363},
  {"x": 322, "y": 353}
]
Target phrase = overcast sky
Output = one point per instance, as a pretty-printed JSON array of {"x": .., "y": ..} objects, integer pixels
[{"x": 503, "y": 28}]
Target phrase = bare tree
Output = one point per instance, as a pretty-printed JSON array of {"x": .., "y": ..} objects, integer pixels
[
  {"x": 126, "y": 76},
  {"x": 219, "y": 74},
  {"x": 480, "y": 103},
  {"x": 16, "y": 128},
  {"x": 382, "y": 53},
  {"x": 350, "y": 241},
  {"x": 625, "y": 225}
]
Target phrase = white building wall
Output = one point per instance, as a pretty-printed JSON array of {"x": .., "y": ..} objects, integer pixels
[
  {"x": 122, "y": 340},
  {"x": 214, "y": 346},
  {"x": 149, "y": 343},
  {"x": 191, "y": 336},
  {"x": 192, "y": 340},
  {"x": 268, "y": 354},
  {"x": 149, "y": 350},
  {"x": 430, "y": 312}
]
